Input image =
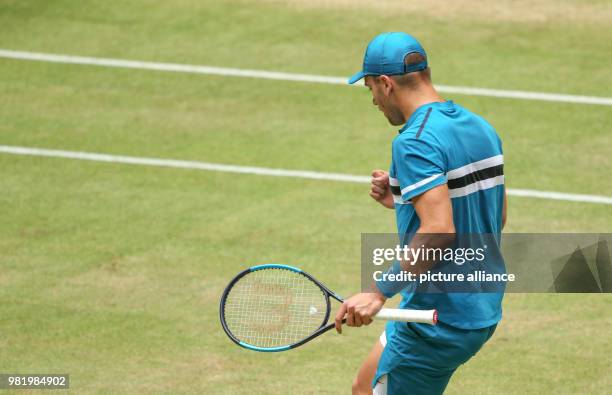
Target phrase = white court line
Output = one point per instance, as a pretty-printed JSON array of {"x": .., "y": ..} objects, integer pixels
[
  {"x": 273, "y": 75},
  {"x": 263, "y": 171}
]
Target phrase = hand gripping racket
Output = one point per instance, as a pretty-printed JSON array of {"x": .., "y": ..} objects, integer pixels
[{"x": 279, "y": 307}]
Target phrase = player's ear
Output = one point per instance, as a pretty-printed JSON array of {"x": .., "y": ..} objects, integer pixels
[{"x": 386, "y": 83}]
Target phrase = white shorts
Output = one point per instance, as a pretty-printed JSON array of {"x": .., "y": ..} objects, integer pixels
[{"x": 381, "y": 385}]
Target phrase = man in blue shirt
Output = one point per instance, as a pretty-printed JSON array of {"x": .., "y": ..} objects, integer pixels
[{"x": 446, "y": 178}]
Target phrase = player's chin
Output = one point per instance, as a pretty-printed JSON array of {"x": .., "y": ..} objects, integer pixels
[{"x": 395, "y": 122}]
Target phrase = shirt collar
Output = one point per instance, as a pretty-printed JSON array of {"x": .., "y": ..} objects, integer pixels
[{"x": 447, "y": 103}]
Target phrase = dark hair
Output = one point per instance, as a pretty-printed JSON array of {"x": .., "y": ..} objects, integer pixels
[{"x": 413, "y": 79}]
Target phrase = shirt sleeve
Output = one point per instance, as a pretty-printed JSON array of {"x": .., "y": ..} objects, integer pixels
[{"x": 420, "y": 166}]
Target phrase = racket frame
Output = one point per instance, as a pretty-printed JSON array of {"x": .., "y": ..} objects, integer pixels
[{"x": 322, "y": 329}]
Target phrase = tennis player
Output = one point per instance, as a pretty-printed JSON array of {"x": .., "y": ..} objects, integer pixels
[{"x": 446, "y": 177}]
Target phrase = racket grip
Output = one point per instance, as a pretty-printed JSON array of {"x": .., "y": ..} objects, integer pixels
[{"x": 404, "y": 315}]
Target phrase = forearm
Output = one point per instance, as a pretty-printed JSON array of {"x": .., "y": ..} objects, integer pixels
[
  {"x": 411, "y": 267},
  {"x": 425, "y": 239},
  {"x": 436, "y": 231},
  {"x": 388, "y": 202}
]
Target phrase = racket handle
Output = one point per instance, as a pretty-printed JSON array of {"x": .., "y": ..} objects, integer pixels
[{"x": 403, "y": 315}]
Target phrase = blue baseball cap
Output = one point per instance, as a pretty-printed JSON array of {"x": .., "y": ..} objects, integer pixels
[{"x": 385, "y": 56}]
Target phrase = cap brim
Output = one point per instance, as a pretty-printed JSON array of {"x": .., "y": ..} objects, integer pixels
[{"x": 356, "y": 77}]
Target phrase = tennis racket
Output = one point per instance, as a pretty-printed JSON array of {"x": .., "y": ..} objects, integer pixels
[{"x": 279, "y": 307}]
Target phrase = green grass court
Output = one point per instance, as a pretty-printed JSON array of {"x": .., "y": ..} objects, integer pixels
[{"x": 112, "y": 273}]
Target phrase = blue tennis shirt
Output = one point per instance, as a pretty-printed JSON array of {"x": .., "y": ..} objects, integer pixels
[{"x": 445, "y": 143}]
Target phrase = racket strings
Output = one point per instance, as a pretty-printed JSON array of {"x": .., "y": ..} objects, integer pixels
[{"x": 274, "y": 307}]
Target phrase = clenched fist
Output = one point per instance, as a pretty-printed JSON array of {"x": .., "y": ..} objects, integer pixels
[{"x": 380, "y": 190}]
